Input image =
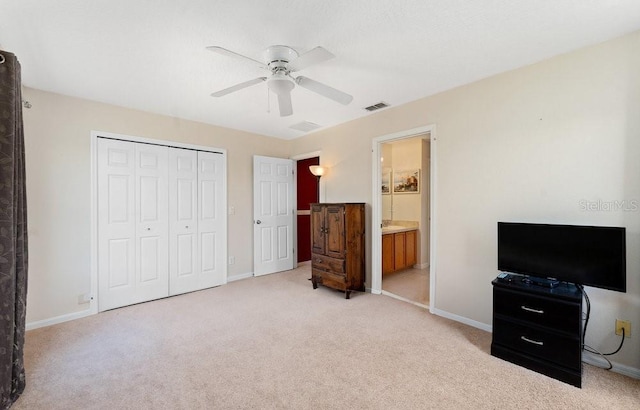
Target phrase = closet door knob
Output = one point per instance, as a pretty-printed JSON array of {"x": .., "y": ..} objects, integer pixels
[{"x": 258, "y": 222}]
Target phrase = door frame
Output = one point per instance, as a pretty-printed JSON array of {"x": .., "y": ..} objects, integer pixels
[
  {"x": 93, "y": 294},
  {"x": 321, "y": 192},
  {"x": 376, "y": 208}
]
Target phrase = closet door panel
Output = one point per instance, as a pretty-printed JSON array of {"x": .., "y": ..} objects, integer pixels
[
  {"x": 183, "y": 221},
  {"x": 152, "y": 226},
  {"x": 116, "y": 223},
  {"x": 211, "y": 211}
]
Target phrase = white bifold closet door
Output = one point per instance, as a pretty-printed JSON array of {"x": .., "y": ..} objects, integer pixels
[
  {"x": 196, "y": 211},
  {"x": 132, "y": 220},
  {"x": 161, "y": 228}
]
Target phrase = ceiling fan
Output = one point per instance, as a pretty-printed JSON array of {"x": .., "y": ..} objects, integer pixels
[{"x": 281, "y": 61}]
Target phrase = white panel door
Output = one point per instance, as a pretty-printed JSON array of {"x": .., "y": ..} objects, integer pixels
[
  {"x": 116, "y": 223},
  {"x": 211, "y": 220},
  {"x": 152, "y": 226},
  {"x": 273, "y": 215},
  {"x": 184, "y": 266}
]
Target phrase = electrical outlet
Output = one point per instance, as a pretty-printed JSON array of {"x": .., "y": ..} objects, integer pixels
[
  {"x": 84, "y": 298},
  {"x": 623, "y": 324},
  {"x": 232, "y": 260}
]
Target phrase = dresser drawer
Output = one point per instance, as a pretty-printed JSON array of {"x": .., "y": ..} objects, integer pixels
[
  {"x": 549, "y": 346},
  {"x": 551, "y": 313},
  {"x": 327, "y": 263},
  {"x": 332, "y": 280}
]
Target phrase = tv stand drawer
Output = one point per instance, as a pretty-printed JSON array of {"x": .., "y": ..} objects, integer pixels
[
  {"x": 542, "y": 311},
  {"x": 546, "y": 345}
]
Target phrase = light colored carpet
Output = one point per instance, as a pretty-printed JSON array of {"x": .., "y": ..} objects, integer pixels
[
  {"x": 411, "y": 284},
  {"x": 273, "y": 342}
]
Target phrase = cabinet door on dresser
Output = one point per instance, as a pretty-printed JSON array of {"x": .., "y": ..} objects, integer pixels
[
  {"x": 334, "y": 229},
  {"x": 318, "y": 243}
]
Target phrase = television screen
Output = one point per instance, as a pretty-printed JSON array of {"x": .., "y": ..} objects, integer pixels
[{"x": 586, "y": 255}]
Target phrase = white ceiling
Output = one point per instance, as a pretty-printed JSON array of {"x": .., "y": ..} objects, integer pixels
[{"x": 150, "y": 54}]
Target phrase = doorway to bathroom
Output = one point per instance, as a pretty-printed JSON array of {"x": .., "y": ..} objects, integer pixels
[{"x": 402, "y": 212}]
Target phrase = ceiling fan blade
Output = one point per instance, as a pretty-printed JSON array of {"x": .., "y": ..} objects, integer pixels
[
  {"x": 238, "y": 87},
  {"x": 324, "y": 90},
  {"x": 311, "y": 57},
  {"x": 233, "y": 54},
  {"x": 284, "y": 102}
]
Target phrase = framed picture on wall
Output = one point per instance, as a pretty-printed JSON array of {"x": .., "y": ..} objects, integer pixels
[
  {"x": 406, "y": 181},
  {"x": 386, "y": 183}
]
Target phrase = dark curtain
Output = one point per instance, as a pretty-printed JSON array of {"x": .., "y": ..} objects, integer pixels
[{"x": 13, "y": 233}]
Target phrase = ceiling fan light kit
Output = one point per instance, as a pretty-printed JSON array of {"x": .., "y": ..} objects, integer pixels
[
  {"x": 281, "y": 61},
  {"x": 280, "y": 83}
]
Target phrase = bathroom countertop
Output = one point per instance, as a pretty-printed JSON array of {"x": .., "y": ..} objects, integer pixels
[{"x": 397, "y": 228}]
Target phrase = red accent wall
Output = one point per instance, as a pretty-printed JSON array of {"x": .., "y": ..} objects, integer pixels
[{"x": 307, "y": 185}]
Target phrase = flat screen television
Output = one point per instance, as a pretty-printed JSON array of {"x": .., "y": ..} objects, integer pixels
[{"x": 586, "y": 255}]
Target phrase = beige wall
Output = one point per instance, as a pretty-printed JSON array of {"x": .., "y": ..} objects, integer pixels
[
  {"x": 526, "y": 145},
  {"x": 407, "y": 155},
  {"x": 57, "y": 138}
]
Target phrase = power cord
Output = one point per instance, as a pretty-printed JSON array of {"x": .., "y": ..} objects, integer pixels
[{"x": 588, "y": 348}]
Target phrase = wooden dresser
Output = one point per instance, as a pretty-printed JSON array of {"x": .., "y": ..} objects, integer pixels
[{"x": 337, "y": 246}]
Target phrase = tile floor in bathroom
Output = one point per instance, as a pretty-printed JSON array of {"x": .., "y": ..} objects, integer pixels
[{"x": 411, "y": 284}]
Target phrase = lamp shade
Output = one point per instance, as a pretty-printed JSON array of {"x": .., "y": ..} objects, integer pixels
[{"x": 317, "y": 170}]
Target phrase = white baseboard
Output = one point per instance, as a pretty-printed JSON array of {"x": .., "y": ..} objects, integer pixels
[
  {"x": 594, "y": 360},
  {"x": 59, "y": 319},
  {"x": 239, "y": 276},
  {"x": 462, "y": 319}
]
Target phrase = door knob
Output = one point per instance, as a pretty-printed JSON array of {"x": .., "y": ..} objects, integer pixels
[{"x": 258, "y": 222}]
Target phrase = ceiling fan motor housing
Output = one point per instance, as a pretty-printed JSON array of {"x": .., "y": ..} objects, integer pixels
[{"x": 277, "y": 57}]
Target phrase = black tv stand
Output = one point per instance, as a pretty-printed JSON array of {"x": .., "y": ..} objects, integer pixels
[{"x": 538, "y": 327}]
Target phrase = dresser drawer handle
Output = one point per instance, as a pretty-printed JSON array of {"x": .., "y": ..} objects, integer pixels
[
  {"x": 528, "y": 309},
  {"x": 535, "y": 342}
]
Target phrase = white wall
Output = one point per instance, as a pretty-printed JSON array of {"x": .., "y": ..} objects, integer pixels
[
  {"x": 57, "y": 139},
  {"x": 526, "y": 145}
]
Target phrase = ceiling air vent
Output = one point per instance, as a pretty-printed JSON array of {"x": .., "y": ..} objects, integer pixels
[
  {"x": 377, "y": 106},
  {"x": 305, "y": 126}
]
